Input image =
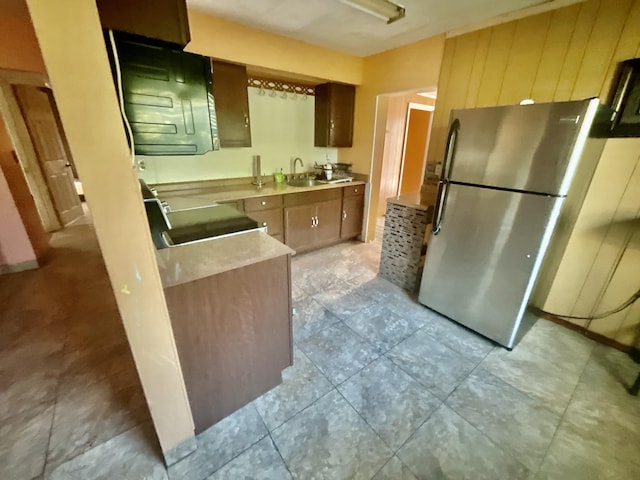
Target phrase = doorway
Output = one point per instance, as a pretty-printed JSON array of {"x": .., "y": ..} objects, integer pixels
[
  {"x": 401, "y": 139},
  {"x": 39, "y": 145}
]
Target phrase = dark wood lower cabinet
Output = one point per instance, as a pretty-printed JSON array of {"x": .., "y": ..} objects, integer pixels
[
  {"x": 299, "y": 227},
  {"x": 352, "y": 213},
  {"x": 327, "y": 222},
  {"x": 319, "y": 218},
  {"x": 233, "y": 334}
]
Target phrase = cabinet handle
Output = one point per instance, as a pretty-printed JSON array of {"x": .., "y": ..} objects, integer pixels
[
  {"x": 332, "y": 125},
  {"x": 313, "y": 222},
  {"x": 316, "y": 220},
  {"x": 246, "y": 121},
  {"x": 264, "y": 224},
  {"x": 355, "y": 190},
  {"x": 344, "y": 215},
  {"x": 263, "y": 203}
]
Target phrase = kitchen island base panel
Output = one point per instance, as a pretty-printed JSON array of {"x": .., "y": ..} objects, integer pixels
[
  {"x": 403, "y": 241},
  {"x": 233, "y": 334}
]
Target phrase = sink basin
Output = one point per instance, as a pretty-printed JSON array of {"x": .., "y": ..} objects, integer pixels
[{"x": 302, "y": 182}]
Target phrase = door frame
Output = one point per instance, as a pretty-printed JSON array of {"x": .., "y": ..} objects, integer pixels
[
  {"x": 373, "y": 199},
  {"x": 21, "y": 140},
  {"x": 425, "y": 108}
]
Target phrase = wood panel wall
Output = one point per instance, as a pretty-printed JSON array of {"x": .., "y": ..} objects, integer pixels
[{"x": 566, "y": 54}]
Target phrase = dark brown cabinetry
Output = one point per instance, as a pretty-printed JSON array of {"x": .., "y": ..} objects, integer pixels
[
  {"x": 268, "y": 212},
  {"x": 334, "y": 115},
  {"x": 312, "y": 219},
  {"x": 352, "y": 211},
  {"x": 164, "y": 20},
  {"x": 232, "y": 104},
  {"x": 233, "y": 334}
]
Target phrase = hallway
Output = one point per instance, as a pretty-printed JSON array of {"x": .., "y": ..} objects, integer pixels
[{"x": 67, "y": 378}]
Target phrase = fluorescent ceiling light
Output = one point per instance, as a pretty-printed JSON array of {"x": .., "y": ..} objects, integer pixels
[{"x": 383, "y": 9}]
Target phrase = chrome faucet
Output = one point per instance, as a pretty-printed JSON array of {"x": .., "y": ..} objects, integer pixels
[{"x": 295, "y": 160}]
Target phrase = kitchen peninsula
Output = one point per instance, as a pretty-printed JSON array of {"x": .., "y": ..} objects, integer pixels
[{"x": 229, "y": 297}]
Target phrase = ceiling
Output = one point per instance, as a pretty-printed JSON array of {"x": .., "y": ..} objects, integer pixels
[{"x": 335, "y": 25}]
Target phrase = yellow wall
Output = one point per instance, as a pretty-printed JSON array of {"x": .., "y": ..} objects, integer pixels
[
  {"x": 412, "y": 67},
  {"x": 570, "y": 53},
  {"x": 281, "y": 130},
  {"x": 218, "y": 38},
  {"x": 73, "y": 48}
]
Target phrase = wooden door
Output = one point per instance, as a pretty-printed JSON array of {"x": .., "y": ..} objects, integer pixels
[
  {"x": 232, "y": 104},
  {"x": 36, "y": 107},
  {"x": 415, "y": 146},
  {"x": 329, "y": 215},
  {"x": 299, "y": 226},
  {"x": 352, "y": 213}
]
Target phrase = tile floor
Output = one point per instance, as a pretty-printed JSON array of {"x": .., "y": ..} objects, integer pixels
[{"x": 381, "y": 388}]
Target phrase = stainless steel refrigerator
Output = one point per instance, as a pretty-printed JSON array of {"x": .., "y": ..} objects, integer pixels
[{"x": 507, "y": 178}]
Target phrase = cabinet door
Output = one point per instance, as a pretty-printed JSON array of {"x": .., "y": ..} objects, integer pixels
[
  {"x": 232, "y": 104},
  {"x": 299, "y": 227},
  {"x": 164, "y": 20},
  {"x": 327, "y": 228},
  {"x": 334, "y": 115},
  {"x": 352, "y": 210},
  {"x": 271, "y": 219},
  {"x": 166, "y": 99}
]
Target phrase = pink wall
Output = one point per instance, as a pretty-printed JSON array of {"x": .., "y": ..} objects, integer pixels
[
  {"x": 19, "y": 50},
  {"x": 15, "y": 246}
]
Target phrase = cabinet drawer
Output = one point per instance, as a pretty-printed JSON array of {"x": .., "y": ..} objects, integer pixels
[
  {"x": 306, "y": 198},
  {"x": 262, "y": 203},
  {"x": 352, "y": 190},
  {"x": 272, "y": 219}
]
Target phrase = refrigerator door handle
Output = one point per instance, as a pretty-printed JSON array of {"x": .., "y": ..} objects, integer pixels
[{"x": 443, "y": 190}]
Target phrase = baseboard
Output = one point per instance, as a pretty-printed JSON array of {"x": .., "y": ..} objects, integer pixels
[
  {"x": 19, "y": 267},
  {"x": 587, "y": 333}
]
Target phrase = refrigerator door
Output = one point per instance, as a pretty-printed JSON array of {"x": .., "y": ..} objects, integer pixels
[
  {"x": 482, "y": 265},
  {"x": 533, "y": 148}
]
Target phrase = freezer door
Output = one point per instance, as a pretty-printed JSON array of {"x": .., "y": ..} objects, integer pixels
[
  {"x": 481, "y": 267},
  {"x": 532, "y": 148}
]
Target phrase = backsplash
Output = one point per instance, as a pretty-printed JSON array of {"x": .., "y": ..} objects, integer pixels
[{"x": 281, "y": 129}]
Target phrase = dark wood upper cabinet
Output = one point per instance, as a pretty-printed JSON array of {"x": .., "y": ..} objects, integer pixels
[
  {"x": 232, "y": 104},
  {"x": 167, "y": 99},
  {"x": 334, "y": 115},
  {"x": 164, "y": 20}
]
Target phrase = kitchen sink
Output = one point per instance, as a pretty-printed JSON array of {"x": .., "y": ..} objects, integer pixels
[{"x": 302, "y": 182}]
